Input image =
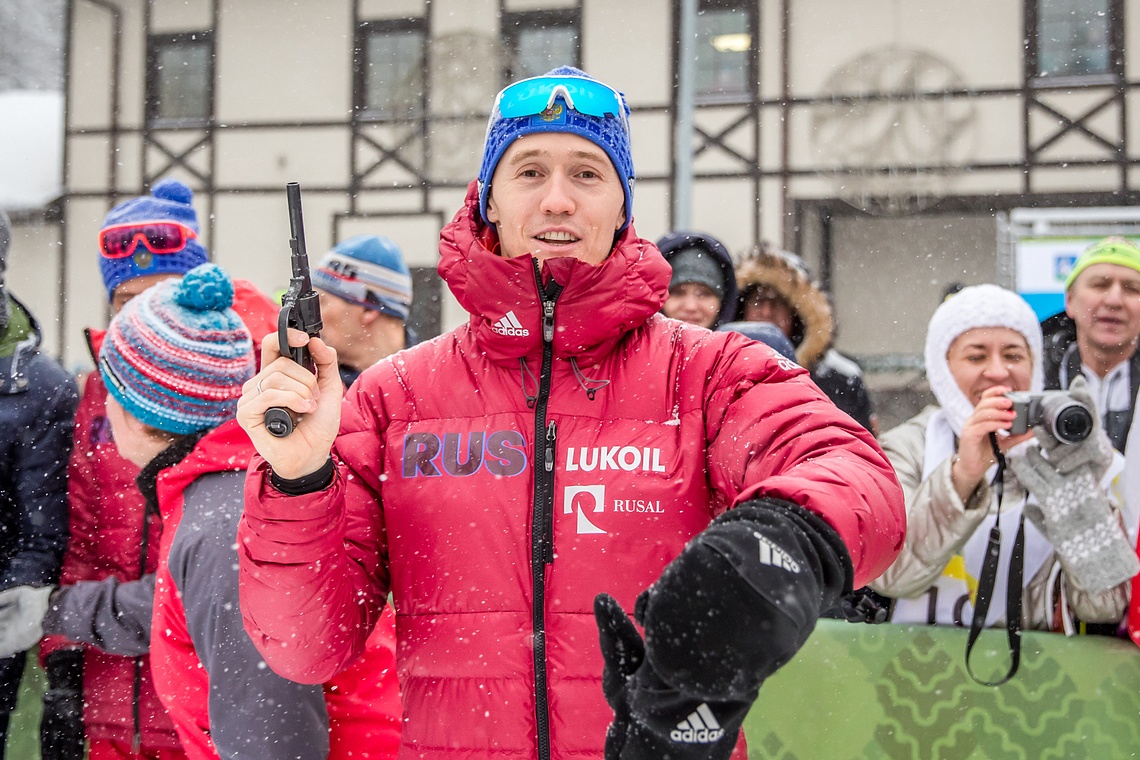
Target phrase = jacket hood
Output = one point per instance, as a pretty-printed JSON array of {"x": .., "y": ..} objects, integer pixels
[
  {"x": 596, "y": 307},
  {"x": 813, "y": 325},
  {"x": 680, "y": 240}
]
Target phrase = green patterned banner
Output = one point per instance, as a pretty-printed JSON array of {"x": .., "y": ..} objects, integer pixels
[{"x": 895, "y": 691}]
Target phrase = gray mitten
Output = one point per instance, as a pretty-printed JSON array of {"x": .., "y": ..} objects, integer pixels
[
  {"x": 1074, "y": 514},
  {"x": 22, "y": 610},
  {"x": 1095, "y": 451}
]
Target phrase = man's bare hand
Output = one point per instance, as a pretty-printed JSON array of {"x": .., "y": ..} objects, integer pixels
[{"x": 314, "y": 401}]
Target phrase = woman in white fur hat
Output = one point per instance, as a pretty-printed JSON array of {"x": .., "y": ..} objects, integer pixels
[{"x": 982, "y": 343}]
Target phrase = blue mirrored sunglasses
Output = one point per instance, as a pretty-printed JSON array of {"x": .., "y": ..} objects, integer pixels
[{"x": 533, "y": 96}]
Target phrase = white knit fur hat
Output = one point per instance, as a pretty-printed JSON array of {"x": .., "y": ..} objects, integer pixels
[{"x": 975, "y": 306}]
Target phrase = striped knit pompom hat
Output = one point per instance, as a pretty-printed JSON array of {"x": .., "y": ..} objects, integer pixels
[{"x": 176, "y": 356}]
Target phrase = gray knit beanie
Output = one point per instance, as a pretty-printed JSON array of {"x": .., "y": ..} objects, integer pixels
[{"x": 696, "y": 265}]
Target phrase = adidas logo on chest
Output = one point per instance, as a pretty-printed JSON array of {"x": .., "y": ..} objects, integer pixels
[{"x": 509, "y": 324}]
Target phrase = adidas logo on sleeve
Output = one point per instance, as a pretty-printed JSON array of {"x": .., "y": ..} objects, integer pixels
[
  {"x": 509, "y": 324},
  {"x": 701, "y": 727}
]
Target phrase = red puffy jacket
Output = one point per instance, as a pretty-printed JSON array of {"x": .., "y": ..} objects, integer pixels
[
  {"x": 112, "y": 535},
  {"x": 496, "y": 482}
]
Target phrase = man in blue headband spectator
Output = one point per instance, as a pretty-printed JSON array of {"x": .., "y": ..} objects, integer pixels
[
  {"x": 567, "y": 455},
  {"x": 366, "y": 298}
]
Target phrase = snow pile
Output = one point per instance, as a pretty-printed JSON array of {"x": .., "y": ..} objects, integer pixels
[{"x": 31, "y": 148}]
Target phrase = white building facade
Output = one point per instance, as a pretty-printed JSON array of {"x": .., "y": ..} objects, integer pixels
[{"x": 880, "y": 140}]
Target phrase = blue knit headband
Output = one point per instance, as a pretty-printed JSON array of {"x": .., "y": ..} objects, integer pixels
[{"x": 169, "y": 201}]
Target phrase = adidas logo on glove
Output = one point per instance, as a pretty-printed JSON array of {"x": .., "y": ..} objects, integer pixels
[
  {"x": 509, "y": 325},
  {"x": 770, "y": 554},
  {"x": 701, "y": 727}
]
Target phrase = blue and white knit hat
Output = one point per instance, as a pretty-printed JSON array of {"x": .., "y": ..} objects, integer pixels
[
  {"x": 611, "y": 135},
  {"x": 367, "y": 270},
  {"x": 169, "y": 200},
  {"x": 177, "y": 356}
]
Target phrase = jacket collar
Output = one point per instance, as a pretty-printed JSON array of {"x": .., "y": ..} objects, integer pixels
[
  {"x": 597, "y": 305},
  {"x": 22, "y": 340},
  {"x": 222, "y": 449}
]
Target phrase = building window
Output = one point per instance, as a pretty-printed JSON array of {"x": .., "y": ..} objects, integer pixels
[
  {"x": 390, "y": 65},
  {"x": 180, "y": 79},
  {"x": 538, "y": 41},
  {"x": 725, "y": 40},
  {"x": 1072, "y": 37}
]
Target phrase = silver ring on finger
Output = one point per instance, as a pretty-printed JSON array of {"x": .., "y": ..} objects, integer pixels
[{"x": 259, "y": 391}]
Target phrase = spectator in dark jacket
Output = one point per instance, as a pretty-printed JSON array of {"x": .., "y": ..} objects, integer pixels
[
  {"x": 702, "y": 288},
  {"x": 37, "y": 408}
]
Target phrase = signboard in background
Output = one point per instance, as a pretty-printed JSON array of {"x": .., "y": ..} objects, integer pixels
[
  {"x": 1042, "y": 265},
  {"x": 1037, "y": 248}
]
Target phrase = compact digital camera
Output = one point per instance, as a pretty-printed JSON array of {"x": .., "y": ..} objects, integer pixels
[{"x": 1065, "y": 418}]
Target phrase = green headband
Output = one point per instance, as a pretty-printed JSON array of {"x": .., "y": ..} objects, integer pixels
[{"x": 1113, "y": 250}]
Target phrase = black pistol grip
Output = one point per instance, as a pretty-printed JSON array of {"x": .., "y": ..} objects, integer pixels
[{"x": 279, "y": 420}]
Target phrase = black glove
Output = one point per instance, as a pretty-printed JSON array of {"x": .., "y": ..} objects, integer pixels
[
  {"x": 861, "y": 606},
  {"x": 61, "y": 727},
  {"x": 741, "y": 598}
]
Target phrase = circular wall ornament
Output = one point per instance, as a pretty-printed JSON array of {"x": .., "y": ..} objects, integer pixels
[{"x": 893, "y": 126}]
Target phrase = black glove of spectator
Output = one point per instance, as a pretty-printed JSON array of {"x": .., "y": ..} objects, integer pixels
[
  {"x": 741, "y": 598},
  {"x": 61, "y": 727}
]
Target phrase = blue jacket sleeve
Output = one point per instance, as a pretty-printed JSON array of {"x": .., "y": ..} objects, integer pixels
[{"x": 41, "y": 452}]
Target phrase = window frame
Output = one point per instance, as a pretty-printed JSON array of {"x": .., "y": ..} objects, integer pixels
[
  {"x": 364, "y": 30},
  {"x": 154, "y": 45},
  {"x": 750, "y": 95},
  {"x": 1114, "y": 75},
  {"x": 513, "y": 22}
]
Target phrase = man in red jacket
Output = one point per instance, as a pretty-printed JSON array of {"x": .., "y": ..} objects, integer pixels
[
  {"x": 566, "y": 455},
  {"x": 114, "y": 537}
]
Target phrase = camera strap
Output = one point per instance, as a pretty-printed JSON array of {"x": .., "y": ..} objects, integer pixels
[{"x": 988, "y": 579}]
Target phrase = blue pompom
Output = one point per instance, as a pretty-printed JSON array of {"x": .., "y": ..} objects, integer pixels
[
  {"x": 205, "y": 288},
  {"x": 172, "y": 190}
]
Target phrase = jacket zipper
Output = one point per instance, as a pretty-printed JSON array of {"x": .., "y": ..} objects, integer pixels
[
  {"x": 542, "y": 528},
  {"x": 136, "y": 704}
]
